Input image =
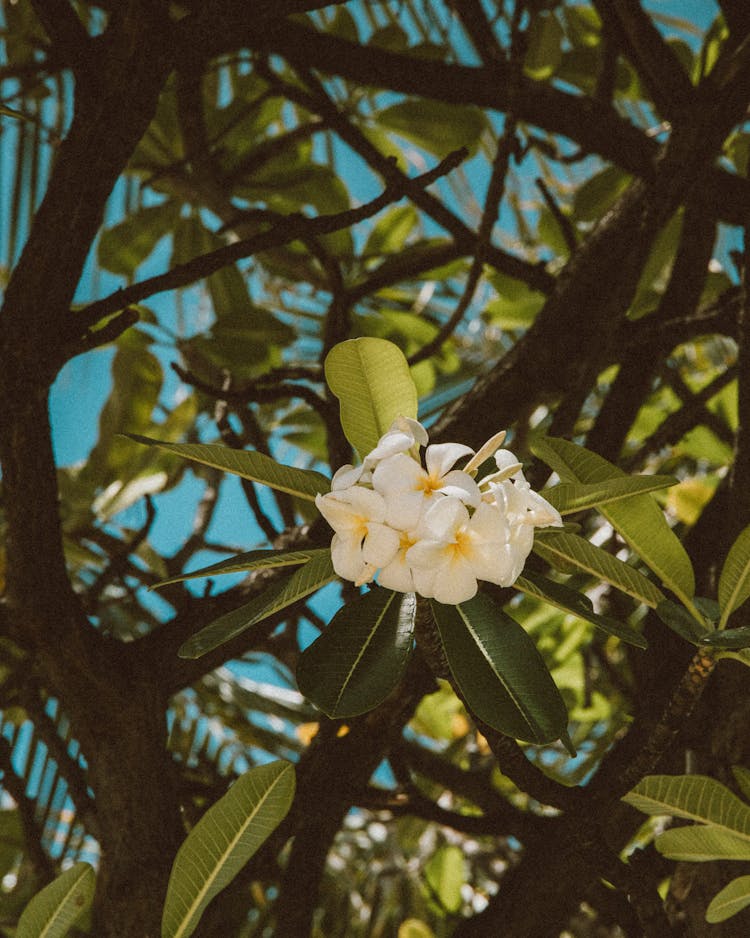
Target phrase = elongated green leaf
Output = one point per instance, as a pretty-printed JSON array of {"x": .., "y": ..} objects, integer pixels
[
  {"x": 53, "y": 911},
  {"x": 681, "y": 622},
  {"x": 702, "y": 842},
  {"x": 734, "y": 582},
  {"x": 696, "y": 797},
  {"x": 251, "y": 560},
  {"x": 729, "y": 638},
  {"x": 305, "y": 483},
  {"x": 638, "y": 518},
  {"x": 742, "y": 777},
  {"x": 578, "y": 605},
  {"x": 500, "y": 672},
  {"x": 371, "y": 379},
  {"x": 361, "y": 656},
  {"x": 310, "y": 577},
  {"x": 733, "y": 898},
  {"x": 569, "y": 496},
  {"x": 222, "y": 842},
  {"x": 445, "y": 873},
  {"x": 562, "y": 550}
]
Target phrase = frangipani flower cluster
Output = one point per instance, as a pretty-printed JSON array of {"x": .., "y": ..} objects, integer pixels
[{"x": 428, "y": 527}]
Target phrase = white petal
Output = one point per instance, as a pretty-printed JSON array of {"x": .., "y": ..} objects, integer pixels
[
  {"x": 444, "y": 517},
  {"x": 399, "y": 473},
  {"x": 346, "y": 555},
  {"x": 345, "y": 477},
  {"x": 397, "y": 575},
  {"x": 381, "y": 545},
  {"x": 456, "y": 584},
  {"x": 366, "y": 502},
  {"x": 441, "y": 457},
  {"x": 403, "y": 511},
  {"x": 459, "y": 483}
]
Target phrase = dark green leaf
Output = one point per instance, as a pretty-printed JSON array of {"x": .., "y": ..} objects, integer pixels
[
  {"x": 361, "y": 656},
  {"x": 500, "y": 672},
  {"x": 577, "y": 604},
  {"x": 728, "y": 638},
  {"x": 251, "y": 560},
  {"x": 310, "y": 577},
  {"x": 680, "y": 621}
]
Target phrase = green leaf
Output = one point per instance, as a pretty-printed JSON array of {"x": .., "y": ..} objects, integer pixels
[
  {"x": 680, "y": 621},
  {"x": 224, "y": 839},
  {"x": 304, "y": 483},
  {"x": 734, "y": 582},
  {"x": 733, "y": 898},
  {"x": 53, "y": 911},
  {"x": 499, "y": 671},
  {"x": 638, "y": 519},
  {"x": 576, "y": 604},
  {"x": 569, "y": 497},
  {"x": 310, "y": 577},
  {"x": 251, "y": 560},
  {"x": 414, "y": 928},
  {"x": 436, "y": 126},
  {"x": 695, "y": 797},
  {"x": 728, "y": 638},
  {"x": 358, "y": 660},
  {"x": 742, "y": 777},
  {"x": 700, "y": 843},
  {"x": 599, "y": 193},
  {"x": 563, "y": 550},
  {"x": 125, "y": 246},
  {"x": 544, "y": 50},
  {"x": 445, "y": 873},
  {"x": 371, "y": 379}
]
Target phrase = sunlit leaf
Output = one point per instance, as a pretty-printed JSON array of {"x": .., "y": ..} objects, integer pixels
[
  {"x": 445, "y": 874},
  {"x": 569, "y": 497},
  {"x": 361, "y": 656},
  {"x": 702, "y": 842},
  {"x": 732, "y": 899},
  {"x": 564, "y": 550},
  {"x": 224, "y": 839},
  {"x": 734, "y": 582},
  {"x": 500, "y": 672},
  {"x": 695, "y": 797},
  {"x": 576, "y": 604},
  {"x": 317, "y": 572},
  {"x": 371, "y": 379},
  {"x": 638, "y": 519},
  {"x": 53, "y": 911},
  {"x": 251, "y": 560},
  {"x": 305, "y": 483}
]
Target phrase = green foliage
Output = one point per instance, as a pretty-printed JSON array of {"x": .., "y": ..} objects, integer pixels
[
  {"x": 251, "y": 560},
  {"x": 500, "y": 672},
  {"x": 638, "y": 519},
  {"x": 53, "y": 911},
  {"x": 222, "y": 842},
  {"x": 361, "y": 656},
  {"x": 372, "y": 381},
  {"x": 304, "y": 483},
  {"x": 734, "y": 582},
  {"x": 316, "y": 572},
  {"x": 722, "y": 831}
]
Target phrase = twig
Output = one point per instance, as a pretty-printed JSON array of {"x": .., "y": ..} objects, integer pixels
[{"x": 293, "y": 227}]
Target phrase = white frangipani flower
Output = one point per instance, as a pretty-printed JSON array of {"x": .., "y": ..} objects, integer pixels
[
  {"x": 362, "y": 542},
  {"x": 458, "y": 549},
  {"x": 432, "y": 529}
]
